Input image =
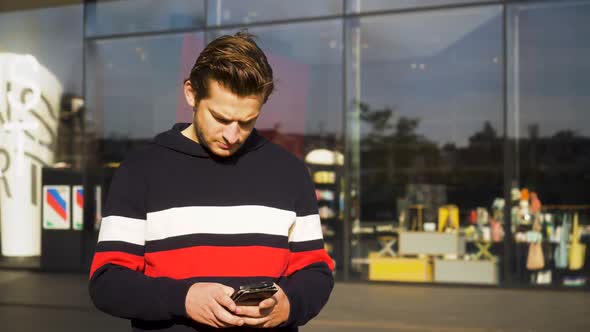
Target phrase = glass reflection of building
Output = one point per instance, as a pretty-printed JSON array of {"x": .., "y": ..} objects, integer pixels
[{"x": 444, "y": 112}]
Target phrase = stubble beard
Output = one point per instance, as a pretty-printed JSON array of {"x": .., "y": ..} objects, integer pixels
[{"x": 199, "y": 133}]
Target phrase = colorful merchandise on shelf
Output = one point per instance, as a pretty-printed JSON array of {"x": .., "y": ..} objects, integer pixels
[
  {"x": 448, "y": 216},
  {"x": 561, "y": 251},
  {"x": 535, "y": 259},
  {"x": 577, "y": 253}
]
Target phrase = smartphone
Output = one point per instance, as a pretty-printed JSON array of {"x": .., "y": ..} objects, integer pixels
[{"x": 253, "y": 294}]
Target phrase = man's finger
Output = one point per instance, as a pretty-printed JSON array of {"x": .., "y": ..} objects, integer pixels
[
  {"x": 214, "y": 321},
  {"x": 268, "y": 303},
  {"x": 255, "y": 322},
  {"x": 227, "y": 302},
  {"x": 226, "y": 317},
  {"x": 249, "y": 311},
  {"x": 228, "y": 290}
]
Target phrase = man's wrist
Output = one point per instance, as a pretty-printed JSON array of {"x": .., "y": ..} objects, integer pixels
[
  {"x": 288, "y": 306},
  {"x": 176, "y": 297},
  {"x": 289, "y": 318}
]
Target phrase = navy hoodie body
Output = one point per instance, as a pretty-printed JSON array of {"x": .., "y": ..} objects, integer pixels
[{"x": 176, "y": 215}]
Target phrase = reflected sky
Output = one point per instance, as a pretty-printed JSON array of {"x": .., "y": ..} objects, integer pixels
[
  {"x": 356, "y": 6},
  {"x": 307, "y": 66},
  {"x": 221, "y": 12},
  {"x": 444, "y": 68},
  {"x": 554, "y": 67},
  {"x": 135, "y": 83},
  {"x": 112, "y": 17}
]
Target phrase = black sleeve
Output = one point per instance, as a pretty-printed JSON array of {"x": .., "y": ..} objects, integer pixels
[
  {"x": 309, "y": 279},
  {"x": 117, "y": 284}
]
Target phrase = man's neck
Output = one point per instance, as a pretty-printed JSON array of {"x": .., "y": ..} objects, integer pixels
[{"x": 190, "y": 133}]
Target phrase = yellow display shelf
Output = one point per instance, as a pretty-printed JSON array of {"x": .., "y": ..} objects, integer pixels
[{"x": 400, "y": 269}]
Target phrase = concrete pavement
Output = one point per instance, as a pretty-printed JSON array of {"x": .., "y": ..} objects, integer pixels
[{"x": 31, "y": 301}]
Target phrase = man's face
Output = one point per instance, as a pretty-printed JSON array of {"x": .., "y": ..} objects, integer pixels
[{"x": 223, "y": 121}]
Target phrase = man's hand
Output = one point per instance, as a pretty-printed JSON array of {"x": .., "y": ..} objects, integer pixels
[
  {"x": 269, "y": 313},
  {"x": 210, "y": 304}
]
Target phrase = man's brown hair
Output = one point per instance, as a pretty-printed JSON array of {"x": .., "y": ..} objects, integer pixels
[{"x": 237, "y": 63}]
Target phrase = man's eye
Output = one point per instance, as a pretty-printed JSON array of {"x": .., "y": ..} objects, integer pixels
[{"x": 223, "y": 121}]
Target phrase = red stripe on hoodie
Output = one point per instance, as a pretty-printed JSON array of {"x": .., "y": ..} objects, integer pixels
[
  {"x": 205, "y": 261},
  {"x": 299, "y": 260},
  {"x": 129, "y": 261}
]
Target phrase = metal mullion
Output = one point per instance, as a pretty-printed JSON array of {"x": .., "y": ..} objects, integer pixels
[{"x": 346, "y": 257}]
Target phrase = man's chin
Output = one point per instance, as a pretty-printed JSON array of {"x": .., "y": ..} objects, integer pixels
[{"x": 223, "y": 152}]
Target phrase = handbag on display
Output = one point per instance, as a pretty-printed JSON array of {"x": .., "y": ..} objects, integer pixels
[
  {"x": 448, "y": 215},
  {"x": 561, "y": 254},
  {"x": 535, "y": 259},
  {"x": 535, "y": 203},
  {"x": 497, "y": 231},
  {"x": 577, "y": 252}
]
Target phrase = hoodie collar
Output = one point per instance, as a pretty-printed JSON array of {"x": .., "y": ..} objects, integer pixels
[{"x": 173, "y": 139}]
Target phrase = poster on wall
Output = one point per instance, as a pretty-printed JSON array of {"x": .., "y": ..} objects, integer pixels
[
  {"x": 56, "y": 207},
  {"x": 78, "y": 208}
]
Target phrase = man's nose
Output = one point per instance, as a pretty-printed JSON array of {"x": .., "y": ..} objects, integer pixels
[{"x": 231, "y": 133}]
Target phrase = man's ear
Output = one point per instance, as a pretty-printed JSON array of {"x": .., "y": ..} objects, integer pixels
[{"x": 189, "y": 94}]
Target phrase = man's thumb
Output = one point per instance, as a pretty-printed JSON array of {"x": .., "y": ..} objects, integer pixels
[{"x": 228, "y": 290}]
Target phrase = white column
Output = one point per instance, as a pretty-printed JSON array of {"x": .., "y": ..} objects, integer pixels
[{"x": 29, "y": 108}]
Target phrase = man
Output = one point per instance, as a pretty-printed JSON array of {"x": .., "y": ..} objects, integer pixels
[{"x": 210, "y": 206}]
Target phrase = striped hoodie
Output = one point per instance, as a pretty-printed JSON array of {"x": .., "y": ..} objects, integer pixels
[{"x": 176, "y": 215}]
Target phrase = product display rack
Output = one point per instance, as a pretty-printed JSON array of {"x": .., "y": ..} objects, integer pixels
[{"x": 327, "y": 181}]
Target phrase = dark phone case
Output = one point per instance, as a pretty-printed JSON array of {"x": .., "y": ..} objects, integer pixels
[{"x": 252, "y": 296}]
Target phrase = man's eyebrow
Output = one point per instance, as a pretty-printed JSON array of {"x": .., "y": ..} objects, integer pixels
[
  {"x": 250, "y": 119},
  {"x": 223, "y": 117},
  {"x": 218, "y": 115}
]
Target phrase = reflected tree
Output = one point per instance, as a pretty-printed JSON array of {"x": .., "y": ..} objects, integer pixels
[{"x": 394, "y": 154}]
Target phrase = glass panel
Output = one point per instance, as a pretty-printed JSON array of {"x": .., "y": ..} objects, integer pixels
[
  {"x": 129, "y": 16},
  {"x": 425, "y": 97},
  {"x": 363, "y": 6},
  {"x": 134, "y": 88},
  {"x": 40, "y": 68},
  {"x": 304, "y": 114},
  {"x": 222, "y": 12},
  {"x": 550, "y": 132}
]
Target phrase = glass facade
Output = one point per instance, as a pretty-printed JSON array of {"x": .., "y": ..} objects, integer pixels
[
  {"x": 123, "y": 17},
  {"x": 429, "y": 97},
  {"x": 549, "y": 134},
  {"x": 448, "y": 140},
  {"x": 134, "y": 87},
  {"x": 233, "y": 12},
  {"x": 366, "y": 6}
]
